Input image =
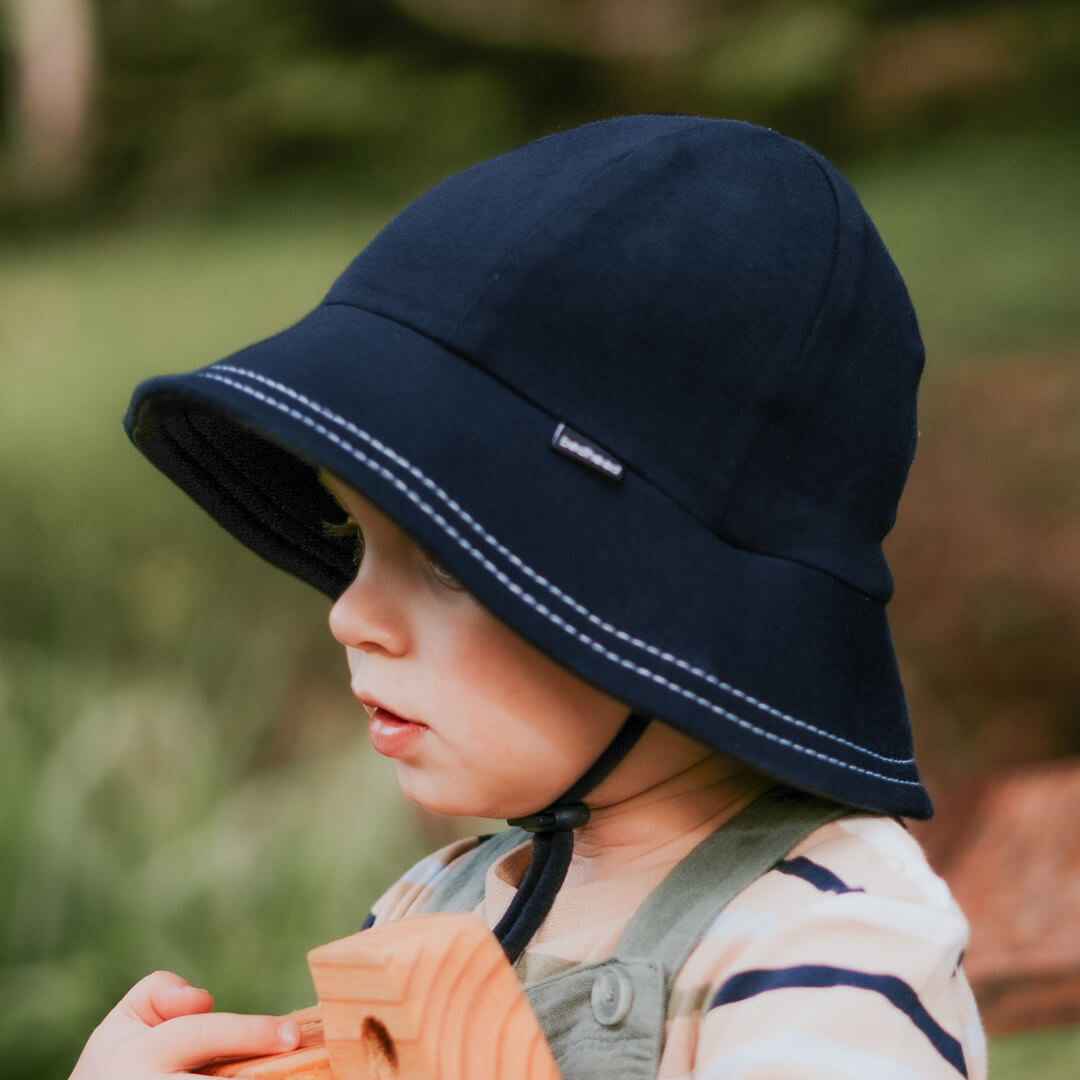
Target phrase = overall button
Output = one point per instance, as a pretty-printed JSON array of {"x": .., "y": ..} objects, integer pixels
[{"x": 612, "y": 995}]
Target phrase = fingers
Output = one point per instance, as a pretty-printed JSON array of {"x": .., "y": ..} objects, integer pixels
[
  {"x": 193, "y": 1040},
  {"x": 162, "y": 1027},
  {"x": 162, "y": 996}
]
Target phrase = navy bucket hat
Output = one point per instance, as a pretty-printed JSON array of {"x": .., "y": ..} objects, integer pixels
[{"x": 647, "y": 388}]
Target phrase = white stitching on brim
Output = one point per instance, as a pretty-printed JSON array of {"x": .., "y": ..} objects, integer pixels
[
  {"x": 622, "y": 635},
  {"x": 532, "y": 601}
]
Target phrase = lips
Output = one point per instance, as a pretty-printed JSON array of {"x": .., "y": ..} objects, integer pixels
[
  {"x": 392, "y": 736},
  {"x": 373, "y": 704}
]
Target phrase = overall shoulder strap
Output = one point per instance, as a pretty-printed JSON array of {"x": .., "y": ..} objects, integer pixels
[
  {"x": 675, "y": 916},
  {"x": 607, "y": 1019},
  {"x": 461, "y": 886}
]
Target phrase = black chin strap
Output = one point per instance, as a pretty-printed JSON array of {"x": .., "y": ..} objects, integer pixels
[{"x": 553, "y": 844}]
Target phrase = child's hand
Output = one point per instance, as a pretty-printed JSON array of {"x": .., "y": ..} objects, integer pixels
[{"x": 163, "y": 1026}]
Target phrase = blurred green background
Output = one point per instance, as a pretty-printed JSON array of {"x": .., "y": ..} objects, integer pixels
[{"x": 184, "y": 781}]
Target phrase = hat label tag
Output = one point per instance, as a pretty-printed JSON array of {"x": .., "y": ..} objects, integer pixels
[{"x": 573, "y": 444}]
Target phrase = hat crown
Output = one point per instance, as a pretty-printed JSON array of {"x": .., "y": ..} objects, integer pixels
[{"x": 707, "y": 300}]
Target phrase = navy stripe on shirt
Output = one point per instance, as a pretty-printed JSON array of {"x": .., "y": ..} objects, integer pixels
[
  {"x": 748, "y": 984},
  {"x": 822, "y": 879},
  {"x": 369, "y": 920}
]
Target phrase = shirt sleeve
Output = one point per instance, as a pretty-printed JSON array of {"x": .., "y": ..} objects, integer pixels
[
  {"x": 824, "y": 978},
  {"x": 410, "y": 892}
]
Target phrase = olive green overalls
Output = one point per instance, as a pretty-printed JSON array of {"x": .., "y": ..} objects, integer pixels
[{"x": 608, "y": 1018}]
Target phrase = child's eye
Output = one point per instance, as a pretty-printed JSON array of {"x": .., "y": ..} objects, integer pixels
[
  {"x": 444, "y": 576},
  {"x": 346, "y": 528},
  {"x": 351, "y": 528}
]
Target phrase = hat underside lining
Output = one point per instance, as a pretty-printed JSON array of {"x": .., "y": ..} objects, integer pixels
[{"x": 255, "y": 508}]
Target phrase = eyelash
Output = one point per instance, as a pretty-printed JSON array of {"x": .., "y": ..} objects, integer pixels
[
  {"x": 346, "y": 529},
  {"x": 351, "y": 529}
]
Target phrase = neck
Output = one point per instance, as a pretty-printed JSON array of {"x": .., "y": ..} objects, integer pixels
[{"x": 660, "y": 822}]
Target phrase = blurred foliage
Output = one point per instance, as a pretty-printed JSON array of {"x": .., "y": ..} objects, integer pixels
[
  {"x": 180, "y": 780},
  {"x": 182, "y": 783},
  {"x": 199, "y": 100}
]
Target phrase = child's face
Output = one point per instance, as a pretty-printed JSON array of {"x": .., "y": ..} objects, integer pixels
[{"x": 503, "y": 729}]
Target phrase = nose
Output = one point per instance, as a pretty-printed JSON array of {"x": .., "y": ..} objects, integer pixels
[{"x": 367, "y": 617}]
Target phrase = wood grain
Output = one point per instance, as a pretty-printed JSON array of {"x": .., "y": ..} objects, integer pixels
[{"x": 427, "y": 998}]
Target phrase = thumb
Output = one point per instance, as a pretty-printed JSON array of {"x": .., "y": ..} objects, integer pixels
[{"x": 193, "y": 1041}]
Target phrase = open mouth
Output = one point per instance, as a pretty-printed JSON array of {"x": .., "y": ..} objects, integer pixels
[{"x": 391, "y": 735}]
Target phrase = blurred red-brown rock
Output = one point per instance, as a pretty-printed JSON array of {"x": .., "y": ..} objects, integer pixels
[{"x": 1009, "y": 847}]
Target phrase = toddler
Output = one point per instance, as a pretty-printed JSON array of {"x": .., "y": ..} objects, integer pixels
[{"x": 593, "y": 448}]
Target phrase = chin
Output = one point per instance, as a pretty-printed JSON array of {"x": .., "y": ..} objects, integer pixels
[
  {"x": 447, "y": 804},
  {"x": 456, "y": 803}
]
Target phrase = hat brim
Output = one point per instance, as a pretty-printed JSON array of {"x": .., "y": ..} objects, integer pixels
[{"x": 771, "y": 661}]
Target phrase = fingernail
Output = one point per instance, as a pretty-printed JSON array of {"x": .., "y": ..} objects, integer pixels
[
  {"x": 195, "y": 990},
  {"x": 289, "y": 1034}
]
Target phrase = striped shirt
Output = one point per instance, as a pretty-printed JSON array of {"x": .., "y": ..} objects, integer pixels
[{"x": 841, "y": 962}]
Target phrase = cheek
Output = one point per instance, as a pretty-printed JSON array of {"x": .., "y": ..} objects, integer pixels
[
  {"x": 513, "y": 729},
  {"x": 516, "y": 701}
]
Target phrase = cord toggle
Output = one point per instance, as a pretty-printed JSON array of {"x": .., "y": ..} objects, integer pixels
[{"x": 561, "y": 818}]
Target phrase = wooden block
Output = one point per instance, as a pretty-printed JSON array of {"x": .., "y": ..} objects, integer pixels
[
  {"x": 427, "y": 998},
  {"x": 309, "y": 1061},
  {"x": 311, "y": 1064}
]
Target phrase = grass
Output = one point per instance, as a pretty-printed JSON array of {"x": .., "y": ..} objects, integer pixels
[
  {"x": 1042, "y": 1055},
  {"x": 181, "y": 782}
]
